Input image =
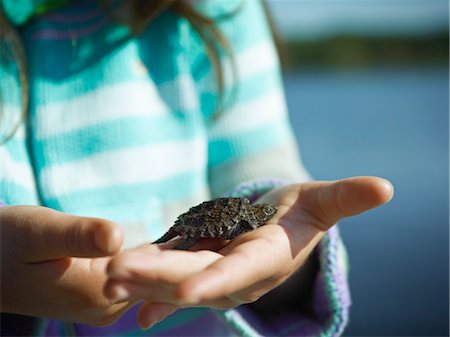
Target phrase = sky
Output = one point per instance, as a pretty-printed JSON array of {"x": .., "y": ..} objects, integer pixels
[{"x": 319, "y": 18}]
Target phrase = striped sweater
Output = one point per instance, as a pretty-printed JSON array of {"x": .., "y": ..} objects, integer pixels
[{"x": 123, "y": 128}]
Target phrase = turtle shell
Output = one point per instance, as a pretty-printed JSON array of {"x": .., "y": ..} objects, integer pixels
[{"x": 214, "y": 218}]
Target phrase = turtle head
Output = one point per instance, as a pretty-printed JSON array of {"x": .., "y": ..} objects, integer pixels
[{"x": 264, "y": 212}]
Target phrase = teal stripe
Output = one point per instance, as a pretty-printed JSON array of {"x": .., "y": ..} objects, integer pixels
[
  {"x": 167, "y": 190},
  {"x": 14, "y": 194},
  {"x": 71, "y": 79},
  {"x": 95, "y": 54},
  {"x": 115, "y": 135},
  {"x": 251, "y": 142}
]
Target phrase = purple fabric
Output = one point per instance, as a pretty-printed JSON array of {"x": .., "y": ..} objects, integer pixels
[{"x": 51, "y": 328}]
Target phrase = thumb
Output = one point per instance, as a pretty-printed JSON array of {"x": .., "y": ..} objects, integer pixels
[
  {"x": 329, "y": 202},
  {"x": 43, "y": 234}
]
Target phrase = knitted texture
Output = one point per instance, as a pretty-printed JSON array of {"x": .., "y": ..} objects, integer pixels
[{"x": 254, "y": 189}]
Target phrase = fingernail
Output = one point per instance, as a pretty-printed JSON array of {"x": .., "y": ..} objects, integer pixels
[
  {"x": 108, "y": 240},
  {"x": 120, "y": 294},
  {"x": 147, "y": 325},
  {"x": 102, "y": 241},
  {"x": 388, "y": 189},
  {"x": 151, "y": 322}
]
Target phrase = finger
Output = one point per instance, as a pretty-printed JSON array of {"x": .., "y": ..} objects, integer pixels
[
  {"x": 218, "y": 303},
  {"x": 118, "y": 291},
  {"x": 44, "y": 234},
  {"x": 148, "y": 273},
  {"x": 151, "y": 313},
  {"x": 149, "y": 264},
  {"x": 128, "y": 291},
  {"x": 241, "y": 268},
  {"x": 328, "y": 202}
]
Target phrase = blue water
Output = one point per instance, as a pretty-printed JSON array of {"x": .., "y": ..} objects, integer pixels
[{"x": 391, "y": 123}]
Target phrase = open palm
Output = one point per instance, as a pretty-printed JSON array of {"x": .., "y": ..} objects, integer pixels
[{"x": 250, "y": 265}]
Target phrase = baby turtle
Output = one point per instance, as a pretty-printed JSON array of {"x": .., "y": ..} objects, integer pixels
[{"x": 222, "y": 218}]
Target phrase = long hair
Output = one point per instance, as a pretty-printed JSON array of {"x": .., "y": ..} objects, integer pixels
[{"x": 12, "y": 50}]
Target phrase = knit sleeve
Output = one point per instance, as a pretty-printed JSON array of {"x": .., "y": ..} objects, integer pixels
[
  {"x": 17, "y": 183},
  {"x": 251, "y": 150}
]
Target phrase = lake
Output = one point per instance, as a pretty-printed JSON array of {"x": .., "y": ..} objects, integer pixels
[{"x": 393, "y": 123}]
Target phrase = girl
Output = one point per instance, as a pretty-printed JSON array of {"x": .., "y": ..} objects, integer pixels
[{"x": 133, "y": 112}]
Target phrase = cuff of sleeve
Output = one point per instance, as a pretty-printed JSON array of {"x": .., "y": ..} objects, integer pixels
[
  {"x": 330, "y": 297},
  {"x": 252, "y": 190}
]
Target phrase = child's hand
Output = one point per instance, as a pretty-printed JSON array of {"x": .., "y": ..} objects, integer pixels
[
  {"x": 53, "y": 265},
  {"x": 253, "y": 263}
]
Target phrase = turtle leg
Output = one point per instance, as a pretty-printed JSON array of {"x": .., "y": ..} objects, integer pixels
[
  {"x": 185, "y": 244},
  {"x": 243, "y": 227}
]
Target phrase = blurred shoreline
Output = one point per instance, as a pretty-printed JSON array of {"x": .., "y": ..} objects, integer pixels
[{"x": 349, "y": 51}]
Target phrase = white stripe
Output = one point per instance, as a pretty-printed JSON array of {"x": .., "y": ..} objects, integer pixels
[
  {"x": 264, "y": 110},
  {"x": 283, "y": 162},
  {"x": 19, "y": 173},
  {"x": 256, "y": 59},
  {"x": 125, "y": 166},
  {"x": 130, "y": 99}
]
